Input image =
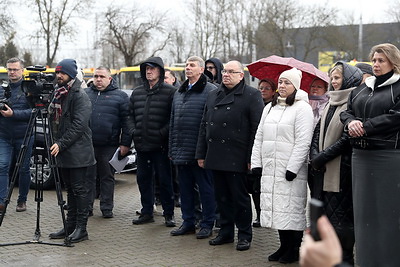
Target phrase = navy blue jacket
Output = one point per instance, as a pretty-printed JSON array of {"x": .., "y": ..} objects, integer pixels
[
  {"x": 16, "y": 125},
  {"x": 187, "y": 111},
  {"x": 110, "y": 112}
]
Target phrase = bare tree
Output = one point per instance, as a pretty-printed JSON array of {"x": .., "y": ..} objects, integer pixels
[
  {"x": 6, "y": 21},
  {"x": 134, "y": 34},
  {"x": 394, "y": 10},
  {"x": 55, "y": 18}
]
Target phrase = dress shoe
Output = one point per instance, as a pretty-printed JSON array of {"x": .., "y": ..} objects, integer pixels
[
  {"x": 183, "y": 230},
  {"x": 144, "y": 218},
  {"x": 220, "y": 240},
  {"x": 78, "y": 235},
  {"x": 204, "y": 233},
  {"x": 243, "y": 244},
  {"x": 169, "y": 220},
  {"x": 257, "y": 223},
  {"x": 21, "y": 206},
  {"x": 60, "y": 234},
  {"x": 290, "y": 256},
  {"x": 277, "y": 254},
  {"x": 107, "y": 214}
]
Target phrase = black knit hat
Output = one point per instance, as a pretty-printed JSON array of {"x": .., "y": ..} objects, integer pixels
[
  {"x": 68, "y": 66},
  {"x": 365, "y": 68}
]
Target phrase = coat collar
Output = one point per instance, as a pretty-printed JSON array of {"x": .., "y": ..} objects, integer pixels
[
  {"x": 224, "y": 99},
  {"x": 197, "y": 87}
]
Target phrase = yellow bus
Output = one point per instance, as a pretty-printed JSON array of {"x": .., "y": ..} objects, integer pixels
[{"x": 3, "y": 74}]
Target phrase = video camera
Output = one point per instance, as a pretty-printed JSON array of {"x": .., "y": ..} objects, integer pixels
[
  {"x": 38, "y": 87},
  {"x": 7, "y": 94}
]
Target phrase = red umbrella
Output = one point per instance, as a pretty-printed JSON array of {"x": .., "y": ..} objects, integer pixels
[{"x": 271, "y": 67}]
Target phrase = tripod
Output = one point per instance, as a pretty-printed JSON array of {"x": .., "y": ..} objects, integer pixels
[{"x": 41, "y": 115}]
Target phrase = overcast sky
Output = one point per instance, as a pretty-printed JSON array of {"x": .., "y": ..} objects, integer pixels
[{"x": 350, "y": 8}]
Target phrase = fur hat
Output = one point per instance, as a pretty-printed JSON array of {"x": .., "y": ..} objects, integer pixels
[
  {"x": 294, "y": 76},
  {"x": 68, "y": 66}
]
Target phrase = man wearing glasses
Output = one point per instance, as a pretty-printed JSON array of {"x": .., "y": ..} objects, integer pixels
[
  {"x": 13, "y": 125},
  {"x": 229, "y": 124},
  {"x": 109, "y": 125},
  {"x": 213, "y": 70}
]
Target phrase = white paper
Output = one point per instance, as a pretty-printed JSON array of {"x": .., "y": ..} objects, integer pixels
[{"x": 118, "y": 165}]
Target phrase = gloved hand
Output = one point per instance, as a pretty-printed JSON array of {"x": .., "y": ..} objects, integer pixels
[
  {"x": 256, "y": 171},
  {"x": 290, "y": 176}
]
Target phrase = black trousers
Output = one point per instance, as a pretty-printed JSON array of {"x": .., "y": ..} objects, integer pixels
[{"x": 234, "y": 204}]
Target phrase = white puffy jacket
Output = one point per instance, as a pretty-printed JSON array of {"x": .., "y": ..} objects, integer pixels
[{"x": 282, "y": 143}]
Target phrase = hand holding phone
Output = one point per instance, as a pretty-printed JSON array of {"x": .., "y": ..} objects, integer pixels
[{"x": 316, "y": 210}]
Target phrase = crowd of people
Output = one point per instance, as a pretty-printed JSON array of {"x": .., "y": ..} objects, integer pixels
[{"x": 222, "y": 140}]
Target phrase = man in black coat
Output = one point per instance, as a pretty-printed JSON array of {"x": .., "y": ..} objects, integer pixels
[
  {"x": 226, "y": 137},
  {"x": 69, "y": 113},
  {"x": 109, "y": 125},
  {"x": 150, "y": 112}
]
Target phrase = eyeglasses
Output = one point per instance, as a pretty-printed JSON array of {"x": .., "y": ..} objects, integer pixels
[
  {"x": 13, "y": 70},
  {"x": 210, "y": 68},
  {"x": 230, "y": 72}
]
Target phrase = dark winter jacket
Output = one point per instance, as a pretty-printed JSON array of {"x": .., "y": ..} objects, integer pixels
[
  {"x": 228, "y": 128},
  {"x": 219, "y": 67},
  {"x": 187, "y": 111},
  {"x": 74, "y": 136},
  {"x": 110, "y": 112},
  {"x": 379, "y": 111},
  {"x": 150, "y": 111},
  {"x": 16, "y": 125}
]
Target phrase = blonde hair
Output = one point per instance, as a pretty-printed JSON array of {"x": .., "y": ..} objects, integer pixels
[{"x": 391, "y": 52}]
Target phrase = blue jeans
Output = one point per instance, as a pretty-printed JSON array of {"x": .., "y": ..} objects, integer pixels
[
  {"x": 146, "y": 163},
  {"x": 9, "y": 149},
  {"x": 189, "y": 176}
]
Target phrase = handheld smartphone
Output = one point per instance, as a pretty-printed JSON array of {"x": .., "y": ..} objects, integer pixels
[{"x": 316, "y": 210}]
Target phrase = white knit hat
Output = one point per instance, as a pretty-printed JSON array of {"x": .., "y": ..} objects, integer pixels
[{"x": 294, "y": 76}]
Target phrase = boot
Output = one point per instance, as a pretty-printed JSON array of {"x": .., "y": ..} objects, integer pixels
[
  {"x": 257, "y": 222},
  {"x": 78, "y": 235},
  {"x": 61, "y": 233},
  {"x": 294, "y": 239},
  {"x": 282, "y": 249}
]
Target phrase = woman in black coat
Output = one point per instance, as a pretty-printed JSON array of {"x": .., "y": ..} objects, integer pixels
[{"x": 330, "y": 155}]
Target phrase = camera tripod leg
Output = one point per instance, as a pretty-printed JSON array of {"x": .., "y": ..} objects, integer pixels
[{"x": 39, "y": 189}]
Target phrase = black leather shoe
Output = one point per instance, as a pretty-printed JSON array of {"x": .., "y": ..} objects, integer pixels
[
  {"x": 144, "y": 218},
  {"x": 183, "y": 230},
  {"x": 257, "y": 223},
  {"x": 107, "y": 214},
  {"x": 60, "y": 234},
  {"x": 204, "y": 233},
  {"x": 243, "y": 245},
  {"x": 169, "y": 221},
  {"x": 78, "y": 235},
  {"x": 220, "y": 240}
]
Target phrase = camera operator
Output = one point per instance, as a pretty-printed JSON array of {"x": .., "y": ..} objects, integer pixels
[
  {"x": 14, "y": 119},
  {"x": 70, "y": 112}
]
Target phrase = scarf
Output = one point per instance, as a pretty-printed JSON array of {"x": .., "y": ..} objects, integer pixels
[{"x": 55, "y": 105}]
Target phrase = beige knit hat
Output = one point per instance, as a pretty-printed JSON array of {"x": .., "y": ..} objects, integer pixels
[{"x": 294, "y": 76}]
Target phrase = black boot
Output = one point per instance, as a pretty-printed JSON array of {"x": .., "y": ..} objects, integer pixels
[
  {"x": 282, "y": 249},
  {"x": 294, "y": 239},
  {"x": 61, "y": 233},
  {"x": 78, "y": 235},
  {"x": 347, "y": 240}
]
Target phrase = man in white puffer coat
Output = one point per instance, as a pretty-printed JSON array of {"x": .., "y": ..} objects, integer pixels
[{"x": 280, "y": 149}]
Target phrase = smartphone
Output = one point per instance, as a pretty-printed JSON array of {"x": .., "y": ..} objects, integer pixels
[{"x": 316, "y": 210}]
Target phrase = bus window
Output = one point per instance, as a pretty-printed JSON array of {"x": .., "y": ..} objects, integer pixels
[{"x": 3, "y": 75}]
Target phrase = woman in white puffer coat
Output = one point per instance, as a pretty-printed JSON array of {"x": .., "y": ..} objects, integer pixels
[{"x": 280, "y": 152}]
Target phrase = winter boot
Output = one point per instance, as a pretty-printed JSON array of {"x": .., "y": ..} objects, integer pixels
[
  {"x": 294, "y": 239},
  {"x": 282, "y": 249}
]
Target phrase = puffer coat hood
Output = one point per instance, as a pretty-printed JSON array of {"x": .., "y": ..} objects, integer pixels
[
  {"x": 219, "y": 66},
  {"x": 352, "y": 76},
  {"x": 154, "y": 61}
]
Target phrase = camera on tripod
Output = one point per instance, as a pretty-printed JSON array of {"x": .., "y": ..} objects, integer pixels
[
  {"x": 38, "y": 87},
  {"x": 7, "y": 94}
]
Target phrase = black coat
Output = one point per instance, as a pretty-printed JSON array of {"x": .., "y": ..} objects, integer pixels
[
  {"x": 74, "y": 136},
  {"x": 110, "y": 112},
  {"x": 228, "y": 128},
  {"x": 150, "y": 111}
]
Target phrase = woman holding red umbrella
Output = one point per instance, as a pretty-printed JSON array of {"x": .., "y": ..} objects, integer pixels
[{"x": 280, "y": 152}]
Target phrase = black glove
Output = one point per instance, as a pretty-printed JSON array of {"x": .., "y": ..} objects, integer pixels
[
  {"x": 318, "y": 162},
  {"x": 256, "y": 171},
  {"x": 290, "y": 176}
]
